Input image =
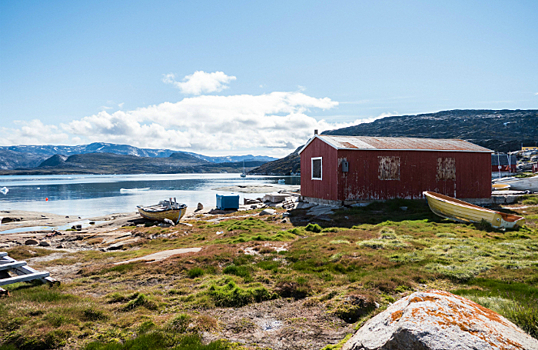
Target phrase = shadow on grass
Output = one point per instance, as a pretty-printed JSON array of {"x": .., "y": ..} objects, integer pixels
[{"x": 375, "y": 213}]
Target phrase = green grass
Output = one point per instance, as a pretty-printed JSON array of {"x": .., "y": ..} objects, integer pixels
[
  {"x": 228, "y": 294},
  {"x": 528, "y": 199},
  {"x": 516, "y": 301},
  {"x": 241, "y": 271},
  {"x": 141, "y": 300},
  {"x": 160, "y": 340},
  {"x": 313, "y": 228},
  {"x": 379, "y": 251},
  {"x": 195, "y": 272}
]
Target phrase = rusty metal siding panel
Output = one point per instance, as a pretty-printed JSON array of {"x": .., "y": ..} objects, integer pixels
[
  {"x": 327, "y": 187},
  {"x": 457, "y": 174}
]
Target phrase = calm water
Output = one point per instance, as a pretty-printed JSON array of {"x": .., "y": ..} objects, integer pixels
[{"x": 94, "y": 195}]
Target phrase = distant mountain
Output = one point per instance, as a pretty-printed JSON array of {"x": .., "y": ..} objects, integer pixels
[
  {"x": 55, "y": 160},
  {"x": 10, "y": 159},
  {"x": 284, "y": 166},
  {"x": 109, "y": 163},
  {"x": 498, "y": 130},
  {"x": 232, "y": 159},
  {"x": 23, "y": 157}
]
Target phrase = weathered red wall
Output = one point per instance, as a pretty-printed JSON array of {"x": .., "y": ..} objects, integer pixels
[
  {"x": 327, "y": 187},
  {"x": 418, "y": 170}
]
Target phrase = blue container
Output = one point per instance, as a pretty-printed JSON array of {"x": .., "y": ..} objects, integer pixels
[{"x": 227, "y": 201}]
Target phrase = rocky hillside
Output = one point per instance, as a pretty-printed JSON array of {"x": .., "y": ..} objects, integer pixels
[
  {"x": 30, "y": 156},
  {"x": 503, "y": 130},
  {"x": 499, "y": 130},
  {"x": 10, "y": 159},
  {"x": 284, "y": 166}
]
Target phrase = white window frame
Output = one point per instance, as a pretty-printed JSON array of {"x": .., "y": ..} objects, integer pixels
[{"x": 312, "y": 168}]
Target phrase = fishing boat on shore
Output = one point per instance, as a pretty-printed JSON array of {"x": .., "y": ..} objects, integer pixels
[
  {"x": 167, "y": 209},
  {"x": 460, "y": 211}
]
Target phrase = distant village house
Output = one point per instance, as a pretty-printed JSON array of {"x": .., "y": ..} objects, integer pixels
[{"x": 505, "y": 163}]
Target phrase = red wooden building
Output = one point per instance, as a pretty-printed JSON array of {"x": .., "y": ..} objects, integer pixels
[{"x": 344, "y": 169}]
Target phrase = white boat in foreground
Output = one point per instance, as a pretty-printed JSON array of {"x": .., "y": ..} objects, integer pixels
[{"x": 460, "y": 211}]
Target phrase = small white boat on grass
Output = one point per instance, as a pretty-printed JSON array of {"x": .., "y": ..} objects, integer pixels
[
  {"x": 460, "y": 211},
  {"x": 167, "y": 209},
  {"x": 521, "y": 184}
]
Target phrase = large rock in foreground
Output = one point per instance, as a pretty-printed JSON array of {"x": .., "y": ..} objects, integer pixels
[{"x": 435, "y": 320}]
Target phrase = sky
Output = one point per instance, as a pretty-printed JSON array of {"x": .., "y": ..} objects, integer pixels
[{"x": 252, "y": 77}]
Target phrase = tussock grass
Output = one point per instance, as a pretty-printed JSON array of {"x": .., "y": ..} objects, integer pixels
[
  {"x": 340, "y": 241},
  {"x": 528, "y": 199},
  {"x": 379, "y": 251},
  {"x": 387, "y": 240},
  {"x": 228, "y": 294},
  {"x": 160, "y": 340}
]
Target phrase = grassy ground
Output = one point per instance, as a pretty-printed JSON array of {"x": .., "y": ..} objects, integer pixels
[{"x": 341, "y": 271}]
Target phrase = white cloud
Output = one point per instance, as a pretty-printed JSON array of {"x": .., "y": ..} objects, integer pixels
[
  {"x": 211, "y": 124},
  {"x": 200, "y": 82},
  {"x": 272, "y": 124},
  {"x": 121, "y": 104},
  {"x": 33, "y": 132}
]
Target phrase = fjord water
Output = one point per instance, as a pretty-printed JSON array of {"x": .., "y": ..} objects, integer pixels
[{"x": 95, "y": 195}]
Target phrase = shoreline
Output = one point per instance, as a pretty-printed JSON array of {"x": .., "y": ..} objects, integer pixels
[{"x": 47, "y": 230}]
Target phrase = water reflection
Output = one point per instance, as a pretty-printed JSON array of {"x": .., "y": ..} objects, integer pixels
[{"x": 93, "y": 195}]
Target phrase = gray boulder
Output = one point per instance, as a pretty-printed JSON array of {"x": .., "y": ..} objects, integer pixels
[
  {"x": 268, "y": 212},
  {"x": 435, "y": 320},
  {"x": 31, "y": 242}
]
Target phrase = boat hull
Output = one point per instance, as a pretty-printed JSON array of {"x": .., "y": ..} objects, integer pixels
[
  {"x": 172, "y": 214},
  {"x": 524, "y": 184},
  {"x": 500, "y": 187},
  {"x": 460, "y": 211}
]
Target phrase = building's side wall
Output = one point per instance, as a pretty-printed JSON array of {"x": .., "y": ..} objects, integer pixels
[
  {"x": 406, "y": 174},
  {"x": 327, "y": 187}
]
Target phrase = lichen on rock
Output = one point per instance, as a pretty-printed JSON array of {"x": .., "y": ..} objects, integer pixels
[{"x": 435, "y": 320}]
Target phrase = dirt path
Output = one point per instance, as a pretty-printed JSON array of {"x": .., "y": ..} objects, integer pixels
[{"x": 161, "y": 255}]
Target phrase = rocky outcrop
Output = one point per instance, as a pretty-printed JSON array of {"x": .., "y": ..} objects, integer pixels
[{"x": 435, "y": 320}]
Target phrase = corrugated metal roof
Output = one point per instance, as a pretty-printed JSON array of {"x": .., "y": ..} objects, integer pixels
[{"x": 398, "y": 143}]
